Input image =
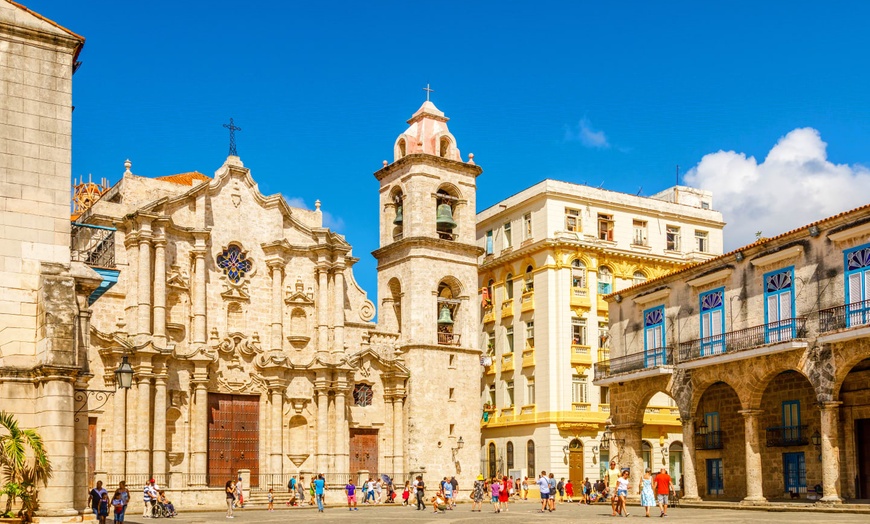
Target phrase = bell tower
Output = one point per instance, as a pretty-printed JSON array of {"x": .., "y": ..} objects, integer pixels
[{"x": 427, "y": 287}]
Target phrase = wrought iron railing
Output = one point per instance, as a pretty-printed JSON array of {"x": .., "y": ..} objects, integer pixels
[
  {"x": 448, "y": 339},
  {"x": 783, "y": 436},
  {"x": 710, "y": 440},
  {"x": 743, "y": 339},
  {"x": 93, "y": 245},
  {"x": 847, "y": 315},
  {"x": 654, "y": 358},
  {"x": 260, "y": 482}
]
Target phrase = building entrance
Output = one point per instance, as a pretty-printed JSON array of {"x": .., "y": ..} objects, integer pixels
[
  {"x": 575, "y": 464},
  {"x": 233, "y": 437},
  {"x": 364, "y": 450},
  {"x": 862, "y": 442}
]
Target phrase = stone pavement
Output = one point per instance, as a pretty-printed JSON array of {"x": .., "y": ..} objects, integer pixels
[{"x": 522, "y": 512}]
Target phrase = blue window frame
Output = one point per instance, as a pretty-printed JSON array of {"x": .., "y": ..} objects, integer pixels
[
  {"x": 489, "y": 242},
  {"x": 857, "y": 285},
  {"x": 654, "y": 337},
  {"x": 713, "y": 322},
  {"x": 713, "y": 438},
  {"x": 794, "y": 469},
  {"x": 791, "y": 421},
  {"x": 715, "y": 484},
  {"x": 779, "y": 305}
]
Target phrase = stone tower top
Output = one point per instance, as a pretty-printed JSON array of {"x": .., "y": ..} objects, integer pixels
[{"x": 427, "y": 134}]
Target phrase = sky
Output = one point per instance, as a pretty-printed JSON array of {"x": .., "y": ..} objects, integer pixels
[{"x": 764, "y": 103}]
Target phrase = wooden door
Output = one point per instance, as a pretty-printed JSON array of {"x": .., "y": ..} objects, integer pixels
[
  {"x": 233, "y": 437},
  {"x": 862, "y": 442},
  {"x": 364, "y": 450},
  {"x": 92, "y": 449},
  {"x": 575, "y": 468}
]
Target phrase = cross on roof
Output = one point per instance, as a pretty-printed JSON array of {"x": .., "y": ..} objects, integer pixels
[
  {"x": 233, "y": 128},
  {"x": 428, "y": 91}
]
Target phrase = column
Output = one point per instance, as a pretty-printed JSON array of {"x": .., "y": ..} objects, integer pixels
[
  {"x": 338, "y": 287},
  {"x": 199, "y": 296},
  {"x": 133, "y": 425},
  {"x": 200, "y": 434},
  {"x": 690, "y": 481},
  {"x": 144, "y": 412},
  {"x": 54, "y": 413},
  {"x": 629, "y": 455},
  {"x": 276, "y": 459},
  {"x": 341, "y": 463},
  {"x": 398, "y": 437},
  {"x": 322, "y": 430},
  {"x": 119, "y": 429},
  {"x": 322, "y": 309},
  {"x": 160, "y": 291},
  {"x": 389, "y": 453},
  {"x": 830, "y": 453},
  {"x": 143, "y": 292},
  {"x": 158, "y": 446},
  {"x": 754, "y": 491},
  {"x": 277, "y": 305}
]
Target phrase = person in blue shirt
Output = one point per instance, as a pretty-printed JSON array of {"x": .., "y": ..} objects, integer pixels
[{"x": 319, "y": 485}]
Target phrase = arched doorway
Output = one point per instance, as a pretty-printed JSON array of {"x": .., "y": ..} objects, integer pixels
[
  {"x": 675, "y": 463},
  {"x": 647, "y": 455},
  {"x": 855, "y": 430},
  {"x": 575, "y": 460}
]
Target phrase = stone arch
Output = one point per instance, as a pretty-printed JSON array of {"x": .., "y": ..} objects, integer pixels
[
  {"x": 401, "y": 148},
  {"x": 395, "y": 212},
  {"x": 447, "y": 295},
  {"x": 298, "y": 322},
  {"x": 845, "y": 362},
  {"x": 634, "y": 397},
  {"x": 638, "y": 277},
  {"x": 448, "y": 197},
  {"x": 452, "y": 284},
  {"x": 395, "y": 286},
  {"x": 528, "y": 276},
  {"x": 444, "y": 145},
  {"x": 509, "y": 280},
  {"x": 756, "y": 385},
  {"x": 703, "y": 381}
]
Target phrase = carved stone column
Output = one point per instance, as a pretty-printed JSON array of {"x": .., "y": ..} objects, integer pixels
[
  {"x": 690, "y": 481},
  {"x": 277, "y": 339},
  {"x": 754, "y": 474},
  {"x": 338, "y": 288},
  {"x": 144, "y": 413},
  {"x": 322, "y": 429},
  {"x": 276, "y": 448},
  {"x": 629, "y": 455},
  {"x": 55, "y": 423},
  {"x": 322, "y": 309},
  {"x": 830, "y": 453},
  {"x": 133, "y": 426},
  {"x": 341, "y": 435},
  {"x": 399, "y": 436},
  {"x": 200, "y": 433},
  {"x": 159, "y": 443},
  {"x": 119, "y": 431},
  {"x": 143, "y": 291},
  {"x": 199, "y": 294},
  {"x": 160, "y": 291}
]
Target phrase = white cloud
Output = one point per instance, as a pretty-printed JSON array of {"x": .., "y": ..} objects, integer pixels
[
  {"x": 793, "y": 186},
  {"x": 333, "y": 222},
  {"x": 587, "y": 136}
]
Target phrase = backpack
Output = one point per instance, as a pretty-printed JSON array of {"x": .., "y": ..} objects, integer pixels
[{"x": 290, "y": 484}]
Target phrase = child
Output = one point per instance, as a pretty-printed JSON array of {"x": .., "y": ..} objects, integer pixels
[
  {"x": 118, "y": 505},
  {"x": 406, "y": 493},
  {"x": 104, "y": 507},
  {"x": 271, "y": 505},
  {"x": 569, "y": 491}
]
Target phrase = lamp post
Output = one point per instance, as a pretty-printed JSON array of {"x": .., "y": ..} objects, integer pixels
[
  {"x": 123, "y": 378},
  {"x": 817, "y": 442}
]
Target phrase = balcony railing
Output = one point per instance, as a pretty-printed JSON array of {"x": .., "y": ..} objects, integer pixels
[
  {"x": 783, "y": 436},
  {"x": 654, "y": 358},
  {"x": 93, "y": 245},
  {"x": 712, "y": 440},
  {"x": 448, "y": 339},
  {"x": 847, "y": 315},
  {"x": 743, "y": 339}
]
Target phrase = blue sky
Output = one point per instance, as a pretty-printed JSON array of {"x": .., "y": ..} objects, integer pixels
[{"x": 618, "y": 93}]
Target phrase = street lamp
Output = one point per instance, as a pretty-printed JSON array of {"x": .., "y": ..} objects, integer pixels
[
  {"x": 123, "y": 378},
  {"x": 817, "y": 442},
  {"x": 703, "y": 429},
  {"x": 124, "y": 374}
]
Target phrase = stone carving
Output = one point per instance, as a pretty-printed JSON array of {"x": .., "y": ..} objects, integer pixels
[
  {"x": 236, "y": 344},
  {"x": 367, "y": 311}
]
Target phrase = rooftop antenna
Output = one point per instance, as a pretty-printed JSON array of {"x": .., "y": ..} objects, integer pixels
[
  {"x": 639, "y": 189},
  {"x": 602, "y": 184}
]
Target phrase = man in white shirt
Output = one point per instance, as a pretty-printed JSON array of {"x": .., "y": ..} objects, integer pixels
[{"x": 544, "y": 487}]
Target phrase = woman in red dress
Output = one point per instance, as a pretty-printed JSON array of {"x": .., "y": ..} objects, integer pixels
[{"x": 504, "y": 495}]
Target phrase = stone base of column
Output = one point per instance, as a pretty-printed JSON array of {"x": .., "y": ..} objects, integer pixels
[
  {"x": 753, "y": 501},
  {"x": 57, "y": 517},
  {"x": 831, "y": 500},
  {"x": 691, "y": 500}
]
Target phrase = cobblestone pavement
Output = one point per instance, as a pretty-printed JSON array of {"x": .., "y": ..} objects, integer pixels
[{"x": 523, "y": 512}]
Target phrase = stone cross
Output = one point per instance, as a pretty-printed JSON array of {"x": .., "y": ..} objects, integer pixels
[{"x": 233, "y": 128}]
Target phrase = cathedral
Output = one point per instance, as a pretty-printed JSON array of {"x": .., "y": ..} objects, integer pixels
[{"x": 253, "y": 347}]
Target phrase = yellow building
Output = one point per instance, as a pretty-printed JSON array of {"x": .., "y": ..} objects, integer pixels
[{"x": 551, "y": 252}]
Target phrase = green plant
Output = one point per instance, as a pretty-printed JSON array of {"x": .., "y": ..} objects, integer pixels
[{"x": 23, "y": 464}]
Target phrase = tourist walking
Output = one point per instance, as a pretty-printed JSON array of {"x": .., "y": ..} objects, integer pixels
[
  {"x": 350, "y": 491},
  {"x": 118, "y": 507},
  {"x": 647, "y": 497},
  {"x": 125, "y": 498},
  {"x": 319, "y": 486},
  {"x": 622, "y": 487},
  {"x": 420, "y": 490},
  {"x": 495, "y": 490},
  {"x": 477, "y": 494},
  {"x": 525, "y": 493},
  {"x": 455, "y": 485},
  {"x": 406, "y": 493},
  {"x": 311, "y": 489},
  {"x": 552, "y": 483},
  {"x": 240, "y": 494},
  {"x": 231, "y": 497},
  {"x": 663, "y": 488},
  {"x": 95, "y": 496},
  {"x": 448, "y": 495},
  {"x": 149, "y": 496},
  {"x": 103, "y": 507},
  {"x": 271, "y": 506},
  {"x": 610, "y": 478},
  {"x": 544, "y": 489},
  {"x": 569, "y": 491},
  {"x": 560, "y": 487}
]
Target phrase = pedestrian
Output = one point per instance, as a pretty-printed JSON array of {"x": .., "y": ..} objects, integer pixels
[
  {"x": 622, "y": 487},
  {"x": 378, "y": 487},
  {"x": 587, "y": 491},
  {"x": 663, "y": 488},
  {"x": 610, "y": 478},
  {"x": 271, "y": 506},
  {"x": 118, "y": 507},
  {"x": 569, "y": 491},
  {"x": 300, "y": 489},
  {"x": 319, "y": 486},
  {"x": 231, "y": 497},
  {"x": 406, "y": 493},
  {"x": 350, "y": 491},
  {"x": 420, "y": 489},
  {"x": 552, "y": 483},
  {"x": 439, "y": 503},
  {"x": 477, "y": 494},
  {"x": 312, "y": 490},
  {"x": 495, "y": 492},
  {"x": 560, "y": 487},
  {"x": 291, "y": 489},
  {"x": 647, "y": 497},
  {"x": 95, "y": 496},
  {"x": 455, "y": 485},
  {"x": 125, "y": 498},
  {"x": 544, "y": 488},
  {"x": 240, "y": 494},
  {"x": 149, "y": 496},
  {"x": 448, "y": 495},
  {"x": 103, "y": 507},
  {"x": 525, "y": 485}
]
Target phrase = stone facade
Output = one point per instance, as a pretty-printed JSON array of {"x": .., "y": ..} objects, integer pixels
[
  {"x": 767, "y": 344},
  {"x": 551, "y": 252}
]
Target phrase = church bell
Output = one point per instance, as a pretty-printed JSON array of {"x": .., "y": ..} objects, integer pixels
[
  {"x": 398, "y": 220},
  {"x": 444, "y": 317},
  {"x": 444, "y": 218}
]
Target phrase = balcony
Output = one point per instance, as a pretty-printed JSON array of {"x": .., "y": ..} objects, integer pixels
[
  {"x": 527, "y": 301},
  {"x": 786, "y": 436},
  {"x": 529, "y": 358},
  {"x": 507, "y": 308},
  {"x": 448, "y": 339},
  {"x": 840, "y": 323},
  {"x": 653, "y": 362},
  {"x": 767, "y": 338},
  {"x": 711, "y": 440},
  {"x": 95, "y": 247},
  {"x": 488, "y": 315},
  {"x": 603, "y": 354},
  {"x": 581, "y": 406},
  {"x": 580, "y": 355},
  {"x": 507, "y": 362},
  {"x": 579, "y": 297}
]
